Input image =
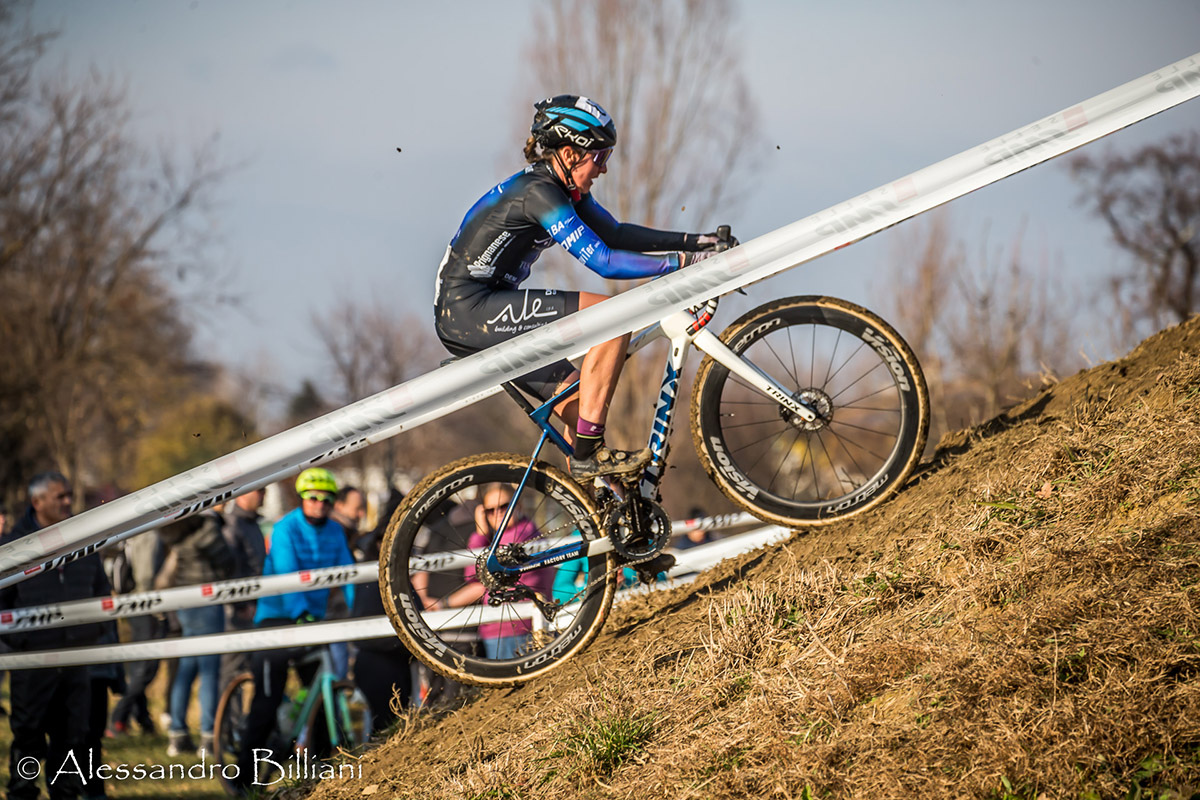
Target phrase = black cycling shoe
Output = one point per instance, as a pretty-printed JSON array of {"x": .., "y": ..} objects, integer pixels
[{"x": 606, "y": 461}]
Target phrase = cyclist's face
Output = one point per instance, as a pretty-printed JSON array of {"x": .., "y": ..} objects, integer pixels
[{"x": 590, "y": 166}]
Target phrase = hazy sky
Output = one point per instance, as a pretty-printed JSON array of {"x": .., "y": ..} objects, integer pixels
[{"x": 315, "y": 97}]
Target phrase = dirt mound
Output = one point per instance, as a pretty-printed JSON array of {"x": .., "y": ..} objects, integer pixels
[{"x": 1020, "y": 622}]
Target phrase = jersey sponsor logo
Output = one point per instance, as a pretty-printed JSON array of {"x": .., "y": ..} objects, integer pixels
[
  {"x": 530, "y": 310},
  {"x": 485, "y": 265}
]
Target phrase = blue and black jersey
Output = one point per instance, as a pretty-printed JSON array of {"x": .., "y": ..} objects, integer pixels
[{"x": 478, "y": 303}]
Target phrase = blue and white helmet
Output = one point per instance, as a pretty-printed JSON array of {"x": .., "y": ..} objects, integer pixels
[{"x": 574, "y": 120}]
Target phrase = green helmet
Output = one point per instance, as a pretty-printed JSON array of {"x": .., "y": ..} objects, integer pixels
[{"x": 316, "y": 479}]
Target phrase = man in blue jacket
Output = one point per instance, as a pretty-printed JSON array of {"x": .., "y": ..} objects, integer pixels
[{"x": 303, "y": 539}]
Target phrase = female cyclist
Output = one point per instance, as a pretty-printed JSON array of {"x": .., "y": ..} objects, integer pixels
[{"x": 478, "y": 303}]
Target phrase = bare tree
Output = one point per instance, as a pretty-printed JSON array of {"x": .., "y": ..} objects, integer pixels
[
  {"x": 987, "y": 331},
  {"x": 92, "y": 238},
  {"x": 1151, "y": 203},
  {"x": 687, "y": 141},
  {"x": 671, "y": 77}
]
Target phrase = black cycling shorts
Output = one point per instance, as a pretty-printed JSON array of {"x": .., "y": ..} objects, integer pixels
[{"x": 470, "y": 321}]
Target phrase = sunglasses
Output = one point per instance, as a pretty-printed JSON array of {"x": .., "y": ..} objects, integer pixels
[
  {"x": 600, "y": 157},
  {"x": 320, "y": 497},
  {"x": 497, "y": 509}
]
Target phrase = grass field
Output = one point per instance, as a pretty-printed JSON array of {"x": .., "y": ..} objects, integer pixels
[{"x": 132, "y": 750}]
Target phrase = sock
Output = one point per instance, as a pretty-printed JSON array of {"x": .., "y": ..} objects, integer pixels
[{"x": 588, "y": 438}]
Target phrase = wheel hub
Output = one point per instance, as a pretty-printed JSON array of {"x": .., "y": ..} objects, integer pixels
[
  {"x": 818, "y": 401},
  {"x": 508, "y": 555}
]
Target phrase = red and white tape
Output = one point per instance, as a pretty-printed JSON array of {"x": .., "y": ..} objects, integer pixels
[{"x": 97, "y": 609}]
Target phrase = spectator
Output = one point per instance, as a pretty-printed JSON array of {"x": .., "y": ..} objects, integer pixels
[
  {"x": 140, "y": 554},
  {"x": 695, "y": 534},
  {"x": 382, "y": 667},
  {"x": 349, "y": 510},
  {"x": 3, "y": 519},
  {"x": 501, "y": 640},
  {"x": 245, "y": 539},
  {"x": 201, "y": 555},
  {"x": 303, "y": 539},
  {"x": 49, "y": 716}
]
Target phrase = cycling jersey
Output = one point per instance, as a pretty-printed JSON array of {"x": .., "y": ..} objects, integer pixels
[{"x": 477, "y": 303}]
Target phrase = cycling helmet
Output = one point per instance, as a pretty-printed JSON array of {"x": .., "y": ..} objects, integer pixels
[
  {"x": 574, "y": 120},
  {"x": 316, "y": 479}
]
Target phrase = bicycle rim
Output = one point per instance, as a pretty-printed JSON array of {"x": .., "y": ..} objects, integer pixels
[
  {"x": 493, "y": 635},
  {"x": 851, "y": 367}
]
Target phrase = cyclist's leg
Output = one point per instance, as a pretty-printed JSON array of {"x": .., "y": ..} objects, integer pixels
[{"x": 598, "y": 377}]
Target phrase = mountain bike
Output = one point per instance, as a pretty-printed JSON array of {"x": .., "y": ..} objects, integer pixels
[
  {"x": 319, "y": 719},
  {"x": 805, "y": 411}
]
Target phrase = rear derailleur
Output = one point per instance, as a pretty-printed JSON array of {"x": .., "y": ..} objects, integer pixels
[{"x": 503, "y": 587}]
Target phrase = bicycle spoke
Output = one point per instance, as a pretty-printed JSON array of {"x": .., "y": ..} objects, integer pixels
[{"x": 881, "y": 458}]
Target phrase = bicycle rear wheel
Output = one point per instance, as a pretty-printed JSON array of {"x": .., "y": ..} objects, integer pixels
[
  {"x": 854, "y": 370},
  {"x": 467, "y": 623}
]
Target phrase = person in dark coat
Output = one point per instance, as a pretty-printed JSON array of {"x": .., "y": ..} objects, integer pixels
[
  {"x": 50, "y": 706},
  {"x": 202, "y": 556},
  {"x": 382, "y": 667}
]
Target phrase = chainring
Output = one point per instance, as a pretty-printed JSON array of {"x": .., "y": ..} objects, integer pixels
[{"x": 638, "y": 528}]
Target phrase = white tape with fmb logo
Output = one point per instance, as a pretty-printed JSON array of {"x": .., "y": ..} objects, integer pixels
[
  {"x": 689, "y": 561},
  {"x": 96, "y": 609},
  {"x": 470, "y": 379}
]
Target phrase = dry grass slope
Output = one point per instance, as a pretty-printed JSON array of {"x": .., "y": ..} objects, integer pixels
[{"x": 1020, "y": 623}]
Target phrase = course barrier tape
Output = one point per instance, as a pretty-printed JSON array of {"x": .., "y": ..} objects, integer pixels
[
  {"x": 98, "y": 609},
  {"x": 690, "y": 561},
  {"x": 470, "y": 379}
]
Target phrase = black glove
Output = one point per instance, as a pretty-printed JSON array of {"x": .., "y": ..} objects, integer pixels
[
  {"x": 710, "y": 241},
  {"x": 687, "y": 259}
]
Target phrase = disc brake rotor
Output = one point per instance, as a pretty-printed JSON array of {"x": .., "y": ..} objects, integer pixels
[{"x": 819, "y": 402}]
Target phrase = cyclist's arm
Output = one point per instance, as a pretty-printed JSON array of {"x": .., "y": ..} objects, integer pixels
[
  {"x": 560, "y": 220},
  {"x": 627, "y": 236}
]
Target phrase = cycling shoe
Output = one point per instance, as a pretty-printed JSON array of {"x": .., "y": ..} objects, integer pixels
[{"x": 606, "y": 461}]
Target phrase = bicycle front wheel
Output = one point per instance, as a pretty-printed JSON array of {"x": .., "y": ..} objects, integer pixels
[
  {"x": 862, "y": 380},
  {"x": 493, "y": 629}
]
